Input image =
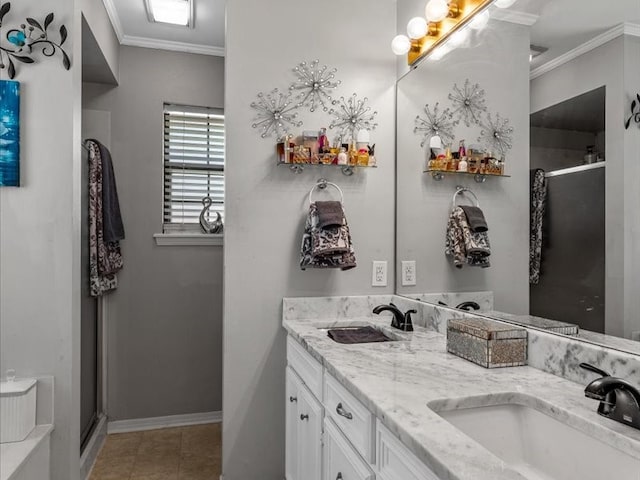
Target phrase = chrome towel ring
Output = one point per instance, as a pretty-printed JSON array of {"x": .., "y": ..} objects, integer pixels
[
  {"x": 322, "y": 184},
  {"x": 463, "y": 191}
]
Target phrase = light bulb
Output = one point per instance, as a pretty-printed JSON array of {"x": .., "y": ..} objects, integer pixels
[
  {"x": 417, "y": 27},
  {"x": 436, "y": 10},
  {"x": 459, "y": 37},
  {"x": 401, "y": 45},
  {"x": 504, "y": 3},
  {"x": 480, "y": 21}
]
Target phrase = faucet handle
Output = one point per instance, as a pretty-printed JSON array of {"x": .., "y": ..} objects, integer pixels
[{"x": 591, "y": 368}]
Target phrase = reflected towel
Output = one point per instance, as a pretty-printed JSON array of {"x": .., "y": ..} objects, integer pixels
[
  {"x": 463, "y": 245},
  {"x": 538, "y": 185},
  {"x": 329, "y": 214},
  {"x": 475, "y": 218}
]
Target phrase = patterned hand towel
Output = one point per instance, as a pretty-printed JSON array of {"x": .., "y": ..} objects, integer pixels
[
  {"x": 463, "y": 245},
  {"x": 329, "y": 247}
]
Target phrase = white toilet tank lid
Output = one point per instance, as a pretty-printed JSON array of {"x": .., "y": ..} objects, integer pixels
[{"x": 16, "y": 387}]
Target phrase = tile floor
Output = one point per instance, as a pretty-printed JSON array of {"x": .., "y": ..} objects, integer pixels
[{"x": 183, "y": 453}]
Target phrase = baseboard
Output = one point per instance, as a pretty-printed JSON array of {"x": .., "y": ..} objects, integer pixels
[
  {"x": 91, "y": 451},
  {"x": 153, "y": 423}
]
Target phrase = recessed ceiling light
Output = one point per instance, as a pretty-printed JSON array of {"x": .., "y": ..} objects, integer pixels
[{"x": 175, "y": 12}]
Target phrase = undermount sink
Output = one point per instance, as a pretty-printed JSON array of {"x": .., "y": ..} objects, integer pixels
[
  {"x": 536, "y": 445},
  {"x": 358, "y": 332}
]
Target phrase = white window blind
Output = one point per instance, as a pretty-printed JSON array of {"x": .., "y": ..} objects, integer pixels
[{"x": 194, "y": 154}]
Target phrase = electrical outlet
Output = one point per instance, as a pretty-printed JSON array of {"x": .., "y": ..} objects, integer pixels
[
  {"x": 379, "y": 278},
  {"x": 408, "y": 273}
]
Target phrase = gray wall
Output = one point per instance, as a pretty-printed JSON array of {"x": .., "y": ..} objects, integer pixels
[
  {"x": 165, "y": 319},
  {"x": 266, "y": 204},
  {"x": 40, "y": 234},
  {"x": 99, "y": 23},
  {"x": 631, "y": 191},
  {"x": 608, "y": 65},
  {"x": 424, "y": 204}
]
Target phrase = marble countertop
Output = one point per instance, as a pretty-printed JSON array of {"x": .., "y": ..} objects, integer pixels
[{"x": 398, "y": 380}]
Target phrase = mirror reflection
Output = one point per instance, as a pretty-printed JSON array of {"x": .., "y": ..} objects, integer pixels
[{"x": 518, "y": 193}]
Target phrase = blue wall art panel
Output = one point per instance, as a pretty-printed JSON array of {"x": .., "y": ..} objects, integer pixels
[{"x": 9, "y": 133}]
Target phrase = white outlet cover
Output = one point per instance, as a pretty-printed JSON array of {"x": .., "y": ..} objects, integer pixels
[
  {"x": 408, "y": 273},
  {"x": 379, "y": 273}
]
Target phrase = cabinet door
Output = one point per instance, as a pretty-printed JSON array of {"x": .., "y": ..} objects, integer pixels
[
  {"x": 309, "y": 436},
  {"x": 294, "y": 385},
  {"x": 341, "y": 461}
]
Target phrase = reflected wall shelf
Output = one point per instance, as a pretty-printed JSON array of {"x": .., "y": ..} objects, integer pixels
[
  {"x": 346, "y": 169},
  {"x": 478, "y": 177}
]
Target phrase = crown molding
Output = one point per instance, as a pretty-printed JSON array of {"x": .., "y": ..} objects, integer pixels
[
  {"x": 521, "y": 18},
  {"x": 632, "y": 29},
  {"x": 145, "y": 42},
  {"x": 622, "y": 29},
  {"x": 115, "y": 19}
]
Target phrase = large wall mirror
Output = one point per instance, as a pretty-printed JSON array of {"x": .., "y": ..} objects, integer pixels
[{"x": 538, "y": 98}]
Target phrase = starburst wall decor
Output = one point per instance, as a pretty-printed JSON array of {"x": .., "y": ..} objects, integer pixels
[
  {"x": 497, "y": 134},
  {"x": 468, "y": 103},
  {"x": 276, "y": 112},
  {"x": 29, "y": 39},
  {"x": 351, "y": 116},
  {"x": 314, "y": 85},
  {"x": 437, "y": 123}
]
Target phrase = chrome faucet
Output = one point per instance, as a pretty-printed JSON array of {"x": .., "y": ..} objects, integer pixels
[
  {"x": 619, "y": 400},
  {"x": 401, "y": 321}
]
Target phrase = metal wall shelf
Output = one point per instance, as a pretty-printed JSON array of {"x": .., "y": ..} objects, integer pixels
[
  {"x": 478, "y": 177},
  {"x": 346, "y": 169}
]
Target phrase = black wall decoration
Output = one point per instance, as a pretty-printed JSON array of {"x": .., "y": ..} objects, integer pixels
[
  {"x": 22, "y": 43},
  {"x": 635, "y": 112}
]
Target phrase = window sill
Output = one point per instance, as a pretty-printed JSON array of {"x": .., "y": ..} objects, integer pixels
[{"x": 188, "y": 239}]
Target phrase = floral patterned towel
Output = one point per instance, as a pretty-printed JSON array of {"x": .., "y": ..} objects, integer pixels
[
  {"x": 105, "y": 258},
  {"x": 538, "y": 183},
  {"x": 328, "y": 247},
  {"x": 464, "y": 246}
]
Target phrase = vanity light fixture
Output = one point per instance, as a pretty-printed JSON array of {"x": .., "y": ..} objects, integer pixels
[
  {"x": 443, "y": 19},
  {"x": 417, "y": 28},
  {"x": 174, "y": 12}
]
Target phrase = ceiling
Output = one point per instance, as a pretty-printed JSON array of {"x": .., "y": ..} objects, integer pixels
[
  {"x": 584, "y": 113},
  {"x": 130, "y": 21},
  {"x": 564, "y": 25}
]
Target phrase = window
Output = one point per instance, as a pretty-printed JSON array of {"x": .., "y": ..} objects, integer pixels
[{"x": 194, "y": 154}]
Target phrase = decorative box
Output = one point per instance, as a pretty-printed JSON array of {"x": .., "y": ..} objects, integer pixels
[
  {"x": 487, "y": 343},
  {"x": 17, "y": 409}
]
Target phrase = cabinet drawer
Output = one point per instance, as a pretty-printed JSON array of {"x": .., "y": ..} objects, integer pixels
[
  {"x": 341, "y": 461},
  {"x": 353, "y": 418},
  {"x": 395, "y": 461},
  {"x": 307, "y": 367}
]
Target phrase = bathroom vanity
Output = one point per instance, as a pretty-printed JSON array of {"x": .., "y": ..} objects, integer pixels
[{"x": 406, "y": 409}]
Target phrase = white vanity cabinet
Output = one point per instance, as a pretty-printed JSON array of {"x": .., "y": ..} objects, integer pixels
[
  {"x": 304, "y": 431},
  {"x": 341, "y": 461},
  {"x": 331, "y": 435},
  {"x": 395, "y": 461}
]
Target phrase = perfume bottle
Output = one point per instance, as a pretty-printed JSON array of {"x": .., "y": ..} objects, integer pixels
[{"x": 462, "y": 151}]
